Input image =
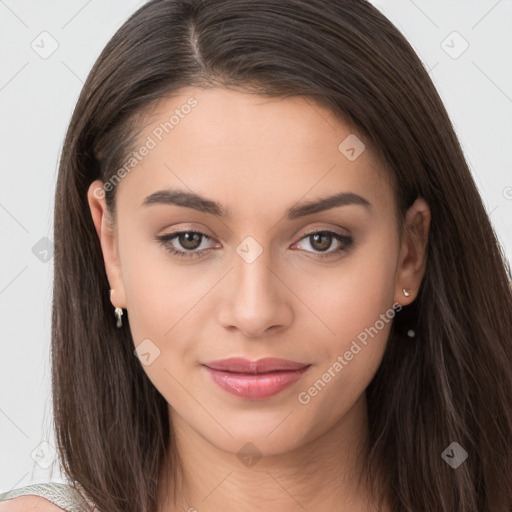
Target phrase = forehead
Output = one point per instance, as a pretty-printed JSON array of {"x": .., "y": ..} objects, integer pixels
[{"x": 251, "y": 151}]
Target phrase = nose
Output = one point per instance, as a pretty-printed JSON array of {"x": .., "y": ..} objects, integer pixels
[{"x": 257, "y": 299}]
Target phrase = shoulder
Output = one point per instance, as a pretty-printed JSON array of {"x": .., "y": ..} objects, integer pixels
[{"x": 28, "y": 503}]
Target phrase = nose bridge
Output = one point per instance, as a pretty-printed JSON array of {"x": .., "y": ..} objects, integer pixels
[
  {"x": 255, "y": 282},
  {"x": 254, "y": 277},
  {"x": 257, "y": 298}
]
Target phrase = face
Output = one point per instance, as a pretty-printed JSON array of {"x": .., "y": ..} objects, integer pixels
[{"x": 242, "y": 272}]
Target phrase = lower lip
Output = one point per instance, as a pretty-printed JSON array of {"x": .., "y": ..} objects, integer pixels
[{"x": 255, "y": 387}]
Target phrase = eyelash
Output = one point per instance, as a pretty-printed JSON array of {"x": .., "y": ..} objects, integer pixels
[{"x": 165, "y": 240}]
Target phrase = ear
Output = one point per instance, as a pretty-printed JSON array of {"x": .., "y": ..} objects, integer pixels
[
  {"x": 108, "y": 242},
  {"x": 413, "y": 251}
]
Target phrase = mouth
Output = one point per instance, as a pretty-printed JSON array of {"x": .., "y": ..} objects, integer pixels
[{"x": 255, "y": 380}]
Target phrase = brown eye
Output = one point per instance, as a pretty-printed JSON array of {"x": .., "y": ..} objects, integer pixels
[
  {"x": 189, "y": 241},
  {"x": 321, "y": 242}
]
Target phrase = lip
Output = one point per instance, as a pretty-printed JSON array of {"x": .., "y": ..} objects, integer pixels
[
  {"x": 265, "y": 365},
  {"x": 255, "y": 380}
]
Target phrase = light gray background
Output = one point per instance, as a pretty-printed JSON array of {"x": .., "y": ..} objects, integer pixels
[{"x": 37, "y": 96}]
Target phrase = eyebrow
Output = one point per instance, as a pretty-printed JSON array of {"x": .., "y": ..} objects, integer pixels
[{"x": 205, "y": 205}]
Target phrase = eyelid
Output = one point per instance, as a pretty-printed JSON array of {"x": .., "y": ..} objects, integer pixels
[{"x": 323, "y": 230}]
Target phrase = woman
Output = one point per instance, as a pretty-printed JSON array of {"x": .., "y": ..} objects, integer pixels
[{"x": 276, "y": 285}]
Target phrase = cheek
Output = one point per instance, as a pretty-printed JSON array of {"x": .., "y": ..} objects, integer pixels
[
  {"x": 350, "y": 360},
  {"x": 351, "y": 295},
  {"x": 158, "y": 293},
  {"x": 355, "y": 303}
]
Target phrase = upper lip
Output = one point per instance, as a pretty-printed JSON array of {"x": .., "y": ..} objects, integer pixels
[{"x": 265, "y": 365}]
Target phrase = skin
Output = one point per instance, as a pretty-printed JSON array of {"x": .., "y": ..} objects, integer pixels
[{"x": 257, "y": 157}]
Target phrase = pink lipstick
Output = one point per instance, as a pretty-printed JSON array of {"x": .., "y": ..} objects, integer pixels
[{"x": 255, "y": 380}]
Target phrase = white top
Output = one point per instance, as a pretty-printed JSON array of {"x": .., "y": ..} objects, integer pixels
[{"x": 62, "y": 495}]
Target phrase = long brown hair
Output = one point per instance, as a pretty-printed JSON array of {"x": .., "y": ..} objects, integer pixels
[{"x": 452, "y": 383}]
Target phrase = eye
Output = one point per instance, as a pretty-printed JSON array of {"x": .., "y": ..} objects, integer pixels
[
  {"x": 321, "y": 241},
  {"x": 191, "y": 241}
]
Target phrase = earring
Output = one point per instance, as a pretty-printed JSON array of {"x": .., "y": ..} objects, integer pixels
[
  {"x": 410, "y": 332},
  {"x": 118, "y": 313}
]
